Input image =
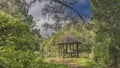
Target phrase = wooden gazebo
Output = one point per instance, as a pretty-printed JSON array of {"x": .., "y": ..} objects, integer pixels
[{"x": 68, "y": 47}]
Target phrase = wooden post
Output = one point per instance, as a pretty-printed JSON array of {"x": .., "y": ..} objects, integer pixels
[
  {"x": 62, "y": 50},
  {"x": 66, "y": 50},
  {"x": 73, "y": 51},
  {"x": 59, "y": 50},
  {"x": 70, "y": 50},
  {"x": 77, "y": 47}
]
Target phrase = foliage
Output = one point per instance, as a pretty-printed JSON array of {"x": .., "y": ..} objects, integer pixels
[
  {"x": 21, "y": 48},
  {"x": 15, "y": 33},
  {"x": 87, "y": 63},
  {"x": 18, "y": 47},
  {"x": 12, "y": 7},
  {"x": 9, "y": 58},
  {"x": 17, "y": 9},
  {"x": 107, "y": 46}
]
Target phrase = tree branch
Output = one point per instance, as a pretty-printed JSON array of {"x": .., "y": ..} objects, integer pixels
[
  {"x": 66, "y": 5},
  {"x": 28, "y": 5},
  {"x": 60, "y": 2}
]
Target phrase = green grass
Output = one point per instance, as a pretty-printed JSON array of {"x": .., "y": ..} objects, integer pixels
[
  {"x": 52, "y": 65},
  {"x": 86, "y": 63},
  {"x": 82, "y": 62}
]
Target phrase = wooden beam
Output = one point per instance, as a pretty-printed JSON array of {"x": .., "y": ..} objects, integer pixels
[
  {"x": 66, "y": 50},
  {"x": 70, "y": 50},
  {"x": 77, "y": 47},
  {"x": 63, "y": 50},
  {"x": 59, "y": 50},
  {"x": 73, "y": 51}
]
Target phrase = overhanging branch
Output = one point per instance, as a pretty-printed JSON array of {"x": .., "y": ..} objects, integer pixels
[
  {"x": 66, "y": 5},
  {"x": 57, "y": 1}
]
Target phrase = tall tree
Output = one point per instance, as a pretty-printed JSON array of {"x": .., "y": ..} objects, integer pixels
[
  {"x": 107, "y": 13},
  {"x": 17, "y": 9}
]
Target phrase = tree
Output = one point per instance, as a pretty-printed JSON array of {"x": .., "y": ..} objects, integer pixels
[
  {"x": 107, "y": 13},
  {"x": 17, "y": 9},
  {"x": 14, "y": 32}
]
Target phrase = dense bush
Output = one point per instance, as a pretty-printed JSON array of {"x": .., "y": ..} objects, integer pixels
[
  {"x": 9, "y": 58},
  {"x": 16, "y": 33}
]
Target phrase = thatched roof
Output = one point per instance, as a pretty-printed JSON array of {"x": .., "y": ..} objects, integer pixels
[{"x": 68, "y": 40}]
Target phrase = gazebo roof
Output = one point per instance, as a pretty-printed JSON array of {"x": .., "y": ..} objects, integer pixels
[{"x": 68, "y": 40}]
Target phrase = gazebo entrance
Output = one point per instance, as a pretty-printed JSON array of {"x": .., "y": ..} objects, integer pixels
[{"x": 68, "y": 47}]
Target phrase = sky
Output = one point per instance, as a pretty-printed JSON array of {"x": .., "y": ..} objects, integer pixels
[
  {"x": 83, "y": 6},
  {"x": 36, "y": 12}
]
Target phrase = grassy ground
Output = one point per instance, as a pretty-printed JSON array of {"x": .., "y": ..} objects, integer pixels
[
  {"x": 78, "y": 62},
  {"x": 52, "y": 65}
]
